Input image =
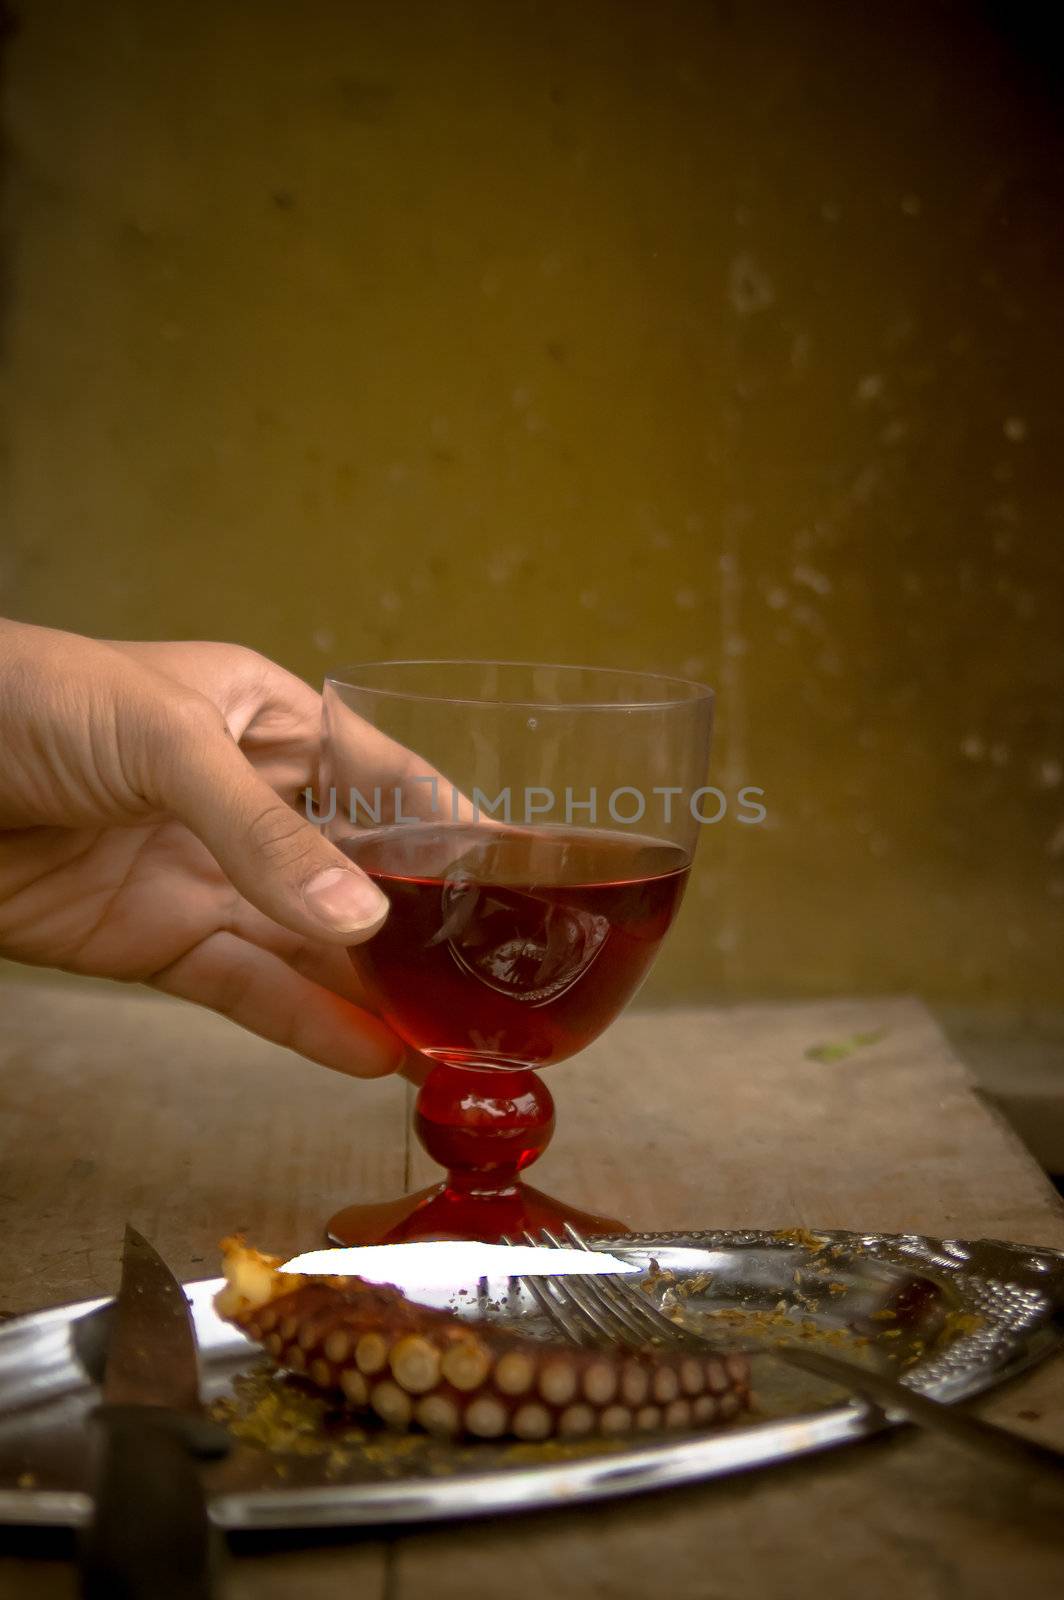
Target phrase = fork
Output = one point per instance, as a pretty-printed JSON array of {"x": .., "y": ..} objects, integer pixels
[{"x": 601, "y": 1310}]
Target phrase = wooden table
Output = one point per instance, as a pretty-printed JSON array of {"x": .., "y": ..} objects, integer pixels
[{"x": 116, "y": 1104}]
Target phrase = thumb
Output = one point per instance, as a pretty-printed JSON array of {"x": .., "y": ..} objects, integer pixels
[{"x": 278, "y": 860}]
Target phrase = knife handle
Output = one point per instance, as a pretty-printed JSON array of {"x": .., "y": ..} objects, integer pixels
[{"x": 150, "y": 1537}]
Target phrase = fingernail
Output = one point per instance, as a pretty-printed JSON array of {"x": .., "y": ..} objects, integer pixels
[{"x": 344, "y": 901}]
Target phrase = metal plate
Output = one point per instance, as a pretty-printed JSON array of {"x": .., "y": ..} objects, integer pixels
[{"x": 952, "y": 1317}]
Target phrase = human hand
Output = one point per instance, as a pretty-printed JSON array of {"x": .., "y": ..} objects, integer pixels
[{"x": 147, "y": 833}]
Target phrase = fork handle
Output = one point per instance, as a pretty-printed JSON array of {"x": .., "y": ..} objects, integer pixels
[{"x": 926, "y": 1413}]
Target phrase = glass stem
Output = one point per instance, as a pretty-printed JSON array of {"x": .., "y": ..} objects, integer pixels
[{"x": 483, "y": 1126}]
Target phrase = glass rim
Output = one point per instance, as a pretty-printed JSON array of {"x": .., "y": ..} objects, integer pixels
[{"x": 694, "y": 692}]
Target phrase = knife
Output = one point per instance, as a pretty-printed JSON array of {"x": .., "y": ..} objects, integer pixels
[{"x": 150, "y": 1537}]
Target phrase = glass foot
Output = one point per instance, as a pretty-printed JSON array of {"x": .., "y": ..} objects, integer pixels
[
  {"x": 443, "y": 1212},
  {"x": 483, "y": 1127}
]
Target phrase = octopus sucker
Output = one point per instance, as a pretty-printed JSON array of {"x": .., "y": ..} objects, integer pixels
[
  {"x": 438, "y": 1414},
  {"x": 532, "y": 1421},
  {"x": 337, "y": 1346},
  {"x": 391, "y": 1403},
  {"x": 485, "y": 1417},
  {"x": 354, "y": 1386},
  {"x": 600, "y": 1381},
  {"x": 665, "y": 1385},
  {"x": 737, "y": 1368},
  {"x": 466, "y": 1363},
  {"x": 576, "y": 1421},
  {"x": 635, "y": 1382},
  {"x": 371, "y": 1353},
  {"x": 716, "y": 1376},
  {"x": 692, "y": 1379},
  {"x": 557, "y": 1381},
  {"x": 515, "y": 1372},
  {"x": 414, "y": 1365}
]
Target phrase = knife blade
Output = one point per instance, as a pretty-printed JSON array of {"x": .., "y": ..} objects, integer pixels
[
  {"x": 150, "y": 1537},
  {"x": 151, "y": 1354}
]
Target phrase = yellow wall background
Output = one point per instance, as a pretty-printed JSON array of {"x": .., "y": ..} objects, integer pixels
[{"x": 718, "y": 338}]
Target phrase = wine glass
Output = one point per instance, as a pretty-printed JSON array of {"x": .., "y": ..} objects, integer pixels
[{"x": 532, "y": 827}]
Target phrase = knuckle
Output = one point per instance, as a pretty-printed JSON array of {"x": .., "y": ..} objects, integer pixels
[
  {"x": 163, "y": 735},
  {"x": 279, "y": 835},
  {"x": 246, "y": 671},
  {"x": 187, "y": 716}
]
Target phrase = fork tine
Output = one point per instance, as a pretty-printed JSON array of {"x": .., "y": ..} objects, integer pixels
[
  {"x": 561, "y": 1314},
  {"x": 644, "y": 1313},
  {"x": 572, "y": 1291},
  {"x": 621, "y": 1326},
  {"x": 645, "y": 1317}
]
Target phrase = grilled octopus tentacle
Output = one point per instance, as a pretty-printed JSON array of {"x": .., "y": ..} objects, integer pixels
[{"x": 412, "y": 1364}]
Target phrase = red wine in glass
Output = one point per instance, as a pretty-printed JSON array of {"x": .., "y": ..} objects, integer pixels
[
  {"x": 505, "y": 949},
  {"x": 512, "y": 947}
]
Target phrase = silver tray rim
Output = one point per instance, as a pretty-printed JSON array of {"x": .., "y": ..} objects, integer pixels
[{"x": 991, "y": 1275}]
